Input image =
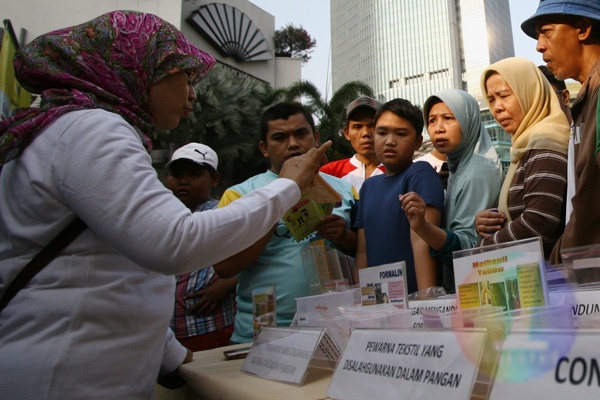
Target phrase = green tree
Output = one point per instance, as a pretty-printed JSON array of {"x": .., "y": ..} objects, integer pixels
[
  {"x": 329, "y": 115},
  {"x": 226, "y": 117},
  {"x": 292, "y": 41}
]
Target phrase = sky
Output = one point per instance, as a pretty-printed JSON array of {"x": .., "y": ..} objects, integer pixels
[{"x": 313, "y": 15}]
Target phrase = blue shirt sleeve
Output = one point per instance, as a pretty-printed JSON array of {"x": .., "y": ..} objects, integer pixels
[{"x": 423, "y": 180}]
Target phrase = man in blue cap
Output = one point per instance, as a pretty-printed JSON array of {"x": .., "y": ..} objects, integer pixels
[{"x": 568, "y": 36}]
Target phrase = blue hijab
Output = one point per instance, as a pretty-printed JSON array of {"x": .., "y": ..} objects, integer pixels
[
  {"x": 475, "y": 139},
  {"x": 475, "y": 171}
]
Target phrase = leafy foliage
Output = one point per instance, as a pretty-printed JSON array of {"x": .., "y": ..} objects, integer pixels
[
  {"x": 226, "y": 117},
  {"x": 292, "y": 41}
]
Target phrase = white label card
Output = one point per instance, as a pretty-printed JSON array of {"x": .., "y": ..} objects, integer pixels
[
  {"x": 545, "y": 365},
  {"x": 407, "y": 364},
  {"x": 284, "y": 354}
]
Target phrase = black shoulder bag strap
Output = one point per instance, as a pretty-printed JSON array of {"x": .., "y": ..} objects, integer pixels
[{"x": 42, "y": 259}]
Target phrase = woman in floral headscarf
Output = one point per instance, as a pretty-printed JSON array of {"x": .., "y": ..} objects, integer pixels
[
  {"x": 532, "y": 199},
  {"x": 94, "y": 322}
]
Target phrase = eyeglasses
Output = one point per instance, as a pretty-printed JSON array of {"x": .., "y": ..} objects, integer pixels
[{"x": 192, "y": 77}]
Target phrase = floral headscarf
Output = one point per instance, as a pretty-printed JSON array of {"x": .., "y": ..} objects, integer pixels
[{"x": 108, "y": 63}]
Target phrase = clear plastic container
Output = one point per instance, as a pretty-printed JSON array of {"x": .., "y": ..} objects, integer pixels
[
  {"x": 463, "y": 318},
  {"x": 398, "y": 320},
  {"x": 431, "y": 318},
  {"x": 544, "y": 317},
  {"x": 339, "y": 327},
  {"x": 326, "y": 269},
  {"x": 311, "y": 309},
  {"x": 584, "y": 264},
  {"x": 588, "y": 321}
]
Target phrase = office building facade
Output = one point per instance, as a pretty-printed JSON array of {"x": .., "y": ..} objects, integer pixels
[{"x": 414, "y": 48}]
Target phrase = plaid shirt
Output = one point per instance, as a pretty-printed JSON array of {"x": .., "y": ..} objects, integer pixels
[{"x": 186, "y": 325}]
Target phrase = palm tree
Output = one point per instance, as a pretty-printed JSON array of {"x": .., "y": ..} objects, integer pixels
[
  {"x": 329, "y": 114},
  {"x": 226, "y": 117}
]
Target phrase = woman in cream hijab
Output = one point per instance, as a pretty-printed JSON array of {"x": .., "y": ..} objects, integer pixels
[{"x": 532, "y": 199}]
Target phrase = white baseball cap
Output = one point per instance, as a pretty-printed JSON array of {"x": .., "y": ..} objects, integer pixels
[{"x": 198, "y": 153}]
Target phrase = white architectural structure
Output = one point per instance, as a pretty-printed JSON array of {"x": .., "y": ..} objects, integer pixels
[{"x": 244, "y": 39}]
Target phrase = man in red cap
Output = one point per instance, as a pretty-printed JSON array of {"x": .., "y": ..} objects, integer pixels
[{"x": 358, "y": 129}]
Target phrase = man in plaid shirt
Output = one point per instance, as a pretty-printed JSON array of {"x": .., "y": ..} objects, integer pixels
[{"x": 204, "y": 303}]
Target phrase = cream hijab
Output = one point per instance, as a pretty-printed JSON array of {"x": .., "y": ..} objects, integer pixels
[{"x": 544, "y": 124}]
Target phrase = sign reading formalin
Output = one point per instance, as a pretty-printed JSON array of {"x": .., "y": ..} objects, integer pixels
[
  {"x": 405, "y": 364},
  {"x": 384, "y": 284},
  {"x": 284, "y": 354}
]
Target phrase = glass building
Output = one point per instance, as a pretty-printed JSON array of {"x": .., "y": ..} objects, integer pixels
[{"x": 414, "y": 48}]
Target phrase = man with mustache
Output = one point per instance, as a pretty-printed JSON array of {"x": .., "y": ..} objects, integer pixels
[{"x": 287, "y": 131}]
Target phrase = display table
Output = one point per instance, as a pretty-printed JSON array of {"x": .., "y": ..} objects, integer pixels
[{"x": 210, "y": 376}]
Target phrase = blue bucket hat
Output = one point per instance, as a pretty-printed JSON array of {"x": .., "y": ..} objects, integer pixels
[{"x": 578, "y": 8}]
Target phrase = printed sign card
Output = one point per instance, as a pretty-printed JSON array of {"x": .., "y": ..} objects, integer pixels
[
  {"x": 583, "y": 302},
  {"x": 406, "y": 364},
  {"x": 317, "y": 201},
  {"x": 264, "y": 307},
  {"x": 547, "y": 365},
  {"x": 328, "y": 353},
  {"x": 441, "y": 305},
  {"x": 384, "y": 284},
  {"x": 510, "y": 275},
  {"x": 284, "y": 354},
  {"x": 302, "y": 218}
]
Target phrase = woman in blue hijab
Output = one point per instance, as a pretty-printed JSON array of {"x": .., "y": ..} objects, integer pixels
[{"x": 454, "y": 124}]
